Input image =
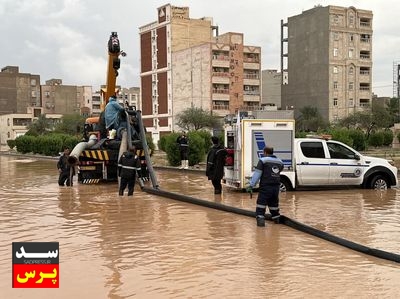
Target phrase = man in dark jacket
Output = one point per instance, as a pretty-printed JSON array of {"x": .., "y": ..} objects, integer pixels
[
  {"x": 215, "y": 164},
  {"x": 183, "y": 143},
  {"x": 65, "y": 170},
  {"x": 268, "y": 172},
  {"x": 128, "y": 165}
]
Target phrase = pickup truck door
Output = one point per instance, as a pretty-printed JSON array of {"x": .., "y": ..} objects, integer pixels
[
  {"x": 312, "y": 163},
  {"x": 345, "y": 165}
]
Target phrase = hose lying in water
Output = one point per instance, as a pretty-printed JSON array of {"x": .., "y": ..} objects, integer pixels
[{"x": 283, "y": 220}]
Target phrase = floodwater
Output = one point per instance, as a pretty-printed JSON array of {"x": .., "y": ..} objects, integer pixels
[{"x": 147, "y": 246}]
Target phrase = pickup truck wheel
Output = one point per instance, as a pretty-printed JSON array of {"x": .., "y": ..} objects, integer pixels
[
  {"x": 285, "y": 185},
  {"x": 379, "y": 182}
]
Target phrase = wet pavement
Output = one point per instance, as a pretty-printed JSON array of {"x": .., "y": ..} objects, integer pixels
[{"x": 147, "y": 246}]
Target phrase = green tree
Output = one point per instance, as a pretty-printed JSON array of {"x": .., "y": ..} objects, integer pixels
[
  {"x": 196, "y": 119},
  {"x": 40, "y": 126},
  {"x": 71, "y": 124},
  {"x": 393, "y": 108},
  {"x": 310, "y": 120}
]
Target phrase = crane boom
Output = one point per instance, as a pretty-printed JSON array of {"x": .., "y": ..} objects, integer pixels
[{"x": 114, "y": 50}]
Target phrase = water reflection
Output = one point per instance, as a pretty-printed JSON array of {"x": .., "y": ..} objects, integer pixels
[{"x": 152, "y": 247}]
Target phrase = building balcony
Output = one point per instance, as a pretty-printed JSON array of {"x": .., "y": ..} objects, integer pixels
[
  {"x": 251, "y": 76},
  {"x": 221, "y": 91},
  {"x": 220, "y": 96},
  {"x": 220, "y": 63},
  {"x": 255, "y": 82},
  {"x": 221, "y": 74},
  {"x": 220, "y": 80},
  {"x": 251, "y": 66},
  {"x": 251, "y": 97},
  {"x": 220, "y": 110},
  {"x": 251, "y": 59}
]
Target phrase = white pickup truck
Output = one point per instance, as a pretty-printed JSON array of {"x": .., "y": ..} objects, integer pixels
[{"x": 309, "y": 162}]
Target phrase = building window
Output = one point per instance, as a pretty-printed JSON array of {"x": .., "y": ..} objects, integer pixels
[
  {"x": 335, "y": 52},
  {"x": 335, "y": 70},
  {"x": 8, "y": 135},
  {"x": 335, "y": 19},
  {"x": 351, "y": 70},
  {"x": 351, "y": 53},
  {"x": 335, "y": 35},
  {"x": 335, "y": 102},
  {"x": 8, "y": 122},
  {"x": 33, "y": 93},
  {"x": 351, "y": 37},
  {"x": 33, "y": 82},
  {"x": 351, "y": 20},
  {"x": 351, "y": 85},
  {"x": 335, "y": 85},
  {"x": 351, "y": 103}
]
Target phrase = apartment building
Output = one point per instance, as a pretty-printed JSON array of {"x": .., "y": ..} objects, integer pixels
[
  {"x": 66, "y": 99},
  {"x": 172, "y": 31},
  {"x": 326, "y": 59},
  {"x": 271, "y": 88},
  {"x": 131, "y": 96},
  {"x": 18, "y": 90},
  {"x": 222, "y": 76},
  {"x": 186, "y": 63}
]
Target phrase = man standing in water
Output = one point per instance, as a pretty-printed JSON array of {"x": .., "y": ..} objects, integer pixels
[
  {"x": 268, "y": 172},
  {"x": 183, "y": 143},
  {"x": 65, "y": 170},
  {"x": 128, "y": 165},
  {"x": 215, "y": 164}
]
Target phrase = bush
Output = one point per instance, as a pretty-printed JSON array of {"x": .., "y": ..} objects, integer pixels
[
  {"x": 161, "y": 143},
  {"x": 199, "y": 144},
  {"x": 11, "y": 143},
  {"x": 359, "y": 140},
  {"x": 342, "y": 135},
  {"x": 387, "y": 137},
  {"x": 376, "y": 139},
  {"x": 196, "y": 147},
  {"x": 206, "y": 136},
  {"x": 172, "y": 149},
  {"x": 48, "y": 145}
]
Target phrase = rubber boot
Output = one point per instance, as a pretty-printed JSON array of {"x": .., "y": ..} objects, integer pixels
[
  {"x": 260, "y": 220},
  {"x": 186, "y": 166},
  {"x": 182, "y": 164}
]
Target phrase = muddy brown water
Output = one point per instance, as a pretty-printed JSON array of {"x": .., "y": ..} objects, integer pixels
[{"x": 147, "y": 246}]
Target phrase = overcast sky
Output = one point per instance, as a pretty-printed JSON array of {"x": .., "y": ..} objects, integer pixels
[{"x": 67, "y": 39}]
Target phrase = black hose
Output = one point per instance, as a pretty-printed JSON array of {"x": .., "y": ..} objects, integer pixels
[{"x": 283, "y": 220}]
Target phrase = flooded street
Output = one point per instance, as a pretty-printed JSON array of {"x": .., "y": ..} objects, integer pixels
[{"x": 148, "y": 246}]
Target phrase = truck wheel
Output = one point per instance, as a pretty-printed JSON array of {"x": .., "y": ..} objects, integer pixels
[
  {"x": 285, "y": 185},
  {"x": 379, "y": 182}
]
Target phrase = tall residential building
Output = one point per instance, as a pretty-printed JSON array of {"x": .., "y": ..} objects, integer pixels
[
  {"x": 66, "y": 99},
  {"x": 18, "y": 91},
  {"x": 271, "y": 88},
  {"x": 172, "y": 31},
  {"x": 326, "y": 59},
  {"x": 184, "y": 65},
  {"x": 131, "y": 96}
]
